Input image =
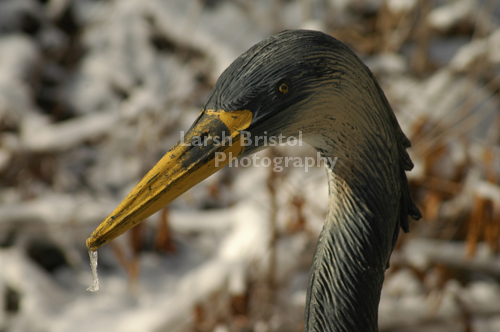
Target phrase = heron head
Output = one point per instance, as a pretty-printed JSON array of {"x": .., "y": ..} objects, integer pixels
[
  {"x": 276, "y": 82},
  {"x": 267, "y": 91}
]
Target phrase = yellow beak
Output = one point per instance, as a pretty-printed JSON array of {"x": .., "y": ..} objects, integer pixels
[{"x": 189, "y": 162}]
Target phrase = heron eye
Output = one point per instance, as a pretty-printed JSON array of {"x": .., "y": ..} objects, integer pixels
[{"x": 283, "y": 88}]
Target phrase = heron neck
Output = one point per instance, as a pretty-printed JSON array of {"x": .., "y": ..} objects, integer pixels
[{"x": 351, "y": 256}]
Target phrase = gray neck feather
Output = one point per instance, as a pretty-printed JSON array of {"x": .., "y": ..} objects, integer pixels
[
  {"x": 348, "y": 267},
  {"x": 365, "y": 197},
  {"x": 346, "y": 115}
]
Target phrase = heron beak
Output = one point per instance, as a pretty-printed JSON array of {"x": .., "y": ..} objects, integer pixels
[{"x": 189, "y": 162}]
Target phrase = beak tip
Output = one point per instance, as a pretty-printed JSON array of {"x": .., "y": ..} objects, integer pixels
[{"x": 92, "y": 243}]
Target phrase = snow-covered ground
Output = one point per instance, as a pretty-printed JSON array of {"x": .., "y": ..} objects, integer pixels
[{"x": 93, "y": 93}]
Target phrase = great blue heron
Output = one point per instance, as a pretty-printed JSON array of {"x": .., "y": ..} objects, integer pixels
[{"x": 308, "y": 82}]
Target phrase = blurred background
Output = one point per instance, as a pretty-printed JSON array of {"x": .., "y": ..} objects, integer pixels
[{"x": 93, "y": 93}]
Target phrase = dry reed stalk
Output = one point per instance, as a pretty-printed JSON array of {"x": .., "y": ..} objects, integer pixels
[
  {"x": 476, "y": 224},
  {"x": 163, "y": 241}
]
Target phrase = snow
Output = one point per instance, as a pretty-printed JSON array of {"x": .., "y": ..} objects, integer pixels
[{"x": 445, "y": 16}]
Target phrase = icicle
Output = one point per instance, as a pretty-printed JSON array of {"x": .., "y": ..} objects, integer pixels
[{"x": 93, "y": 266}]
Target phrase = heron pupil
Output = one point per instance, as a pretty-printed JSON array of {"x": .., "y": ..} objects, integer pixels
[{"x": 283, "y": 88}]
